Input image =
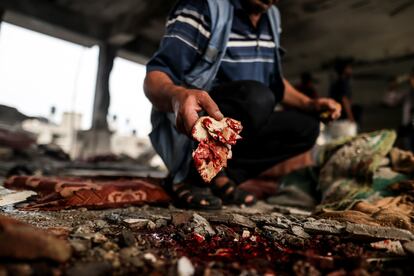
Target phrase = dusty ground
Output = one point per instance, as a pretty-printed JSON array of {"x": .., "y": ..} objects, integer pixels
[{"x": 261, "y": 240}]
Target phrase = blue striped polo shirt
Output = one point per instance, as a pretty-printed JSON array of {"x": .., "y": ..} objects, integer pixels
[{"x": 250, "y": 53}]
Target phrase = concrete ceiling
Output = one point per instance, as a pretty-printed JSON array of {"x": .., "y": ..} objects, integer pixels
[{"x": 314, "y": 31}]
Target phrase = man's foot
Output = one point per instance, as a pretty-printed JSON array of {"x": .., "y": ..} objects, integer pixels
[
  {"x": 193, "y": 197},
  {"x": 227, "y": 190}
]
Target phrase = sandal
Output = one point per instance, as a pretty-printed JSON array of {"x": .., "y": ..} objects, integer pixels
[
  {"x": 230, "y": 193},
  {"x": 193, "y": 197}
]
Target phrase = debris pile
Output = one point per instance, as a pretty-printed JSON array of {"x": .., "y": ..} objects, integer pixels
[{"x": 253, "y": 241}]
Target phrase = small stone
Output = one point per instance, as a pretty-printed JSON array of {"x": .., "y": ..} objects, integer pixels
[
  {"x": 364, "y": 231},
  {"x": 110, "y": 246},
  {"x": 323, "y": 226},
  {"x": 409, "y": 247},
  {"x": 185, "y": 267},
  {"x": 99, "y": 238},
  {"x": 136, "y": 224},
  {"x": 137, "y": 262},
  {"x": 127, "y": 254},
  {"x": 298, "y": 231},
  {"x": 100, "y": 224},
  {"x": 181, "y": 218},
  {"x": 161, "y": 223},
  {"x": 113, "y": 218},
  {"x": 283, "y": 222},
  {"x": 226, "y": 232},
  {"x": 80, "y": 246},
  {"x": 128, "y": 237},
  {"x": 394, "y": 247},
  {"x": 83, "y": 209},
  {"x": 201, "y": 225},
  {"x": 242, "y": 221},
  {"x": 150, "y": 257},
  {"x": 245, "y": 234},
  {"x": 82, "y": 230},
  {"x": 282, "y": 236},
  {"x": 116, "y": 263},
  {"x": 151, "y": 225},
  {"x": 110, "y": 255}
]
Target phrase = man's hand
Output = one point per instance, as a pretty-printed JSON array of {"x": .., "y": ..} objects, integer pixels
[
  {"x": 328, "y": 109},
  {"x": 187, "y": 103}
]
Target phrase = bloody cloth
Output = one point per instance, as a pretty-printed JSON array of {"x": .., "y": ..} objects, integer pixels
[{"x": 55, "y": 193}]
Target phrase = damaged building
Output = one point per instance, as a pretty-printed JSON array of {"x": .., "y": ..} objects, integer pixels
[{"x": 78, "y": 200}]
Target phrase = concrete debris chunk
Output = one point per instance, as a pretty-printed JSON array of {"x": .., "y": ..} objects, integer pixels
[
  {"x": 364, "y": 231},
  {"x": 409, "y": 247},
  {"x": 99, "y": 238},
  {"x": 151, "y": 225},
  {"x": 161, "y": 223},
  {"x": 128, "y": 238},
  {"x": 180, "y": 218},
  {"x": 136, "y": 224},
  {"x": 201, "y": 226},
  {"x": 113, "y": 218},
  {"x": 323, "y": 226},
  {"x": 226, "y": 232},
  {"x": 282, "y": 236},
  {"x": 242, "y": 221},
  {"x": 185, "y": 267},
  {"x": 245, "y": 234},
  {"x": 298, "y": 231},
  {"x": 150, "y": 257},
  {"x": 80, "y": 246},
  {"x": 21, "y": 241},
  {"x": 283, "y": 222},
  {"x": 394, "y": 247},
  {"x": 15, "y": 197}
]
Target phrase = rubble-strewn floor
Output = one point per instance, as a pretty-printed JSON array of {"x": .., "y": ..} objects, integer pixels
[{"x": 262, "y": 240}]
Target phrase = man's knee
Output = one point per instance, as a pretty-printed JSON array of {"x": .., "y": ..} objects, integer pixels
[
  {"x": 251, "y": 102},
  {"x": 257, "y": 95}
]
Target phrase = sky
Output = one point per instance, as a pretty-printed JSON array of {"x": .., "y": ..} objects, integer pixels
[{"x": 39, "y": 71}]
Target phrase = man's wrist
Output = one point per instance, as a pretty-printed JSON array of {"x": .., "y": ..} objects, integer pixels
[
  {"x": 309, "y": 105},
  {"x": 175, "y": 91}
]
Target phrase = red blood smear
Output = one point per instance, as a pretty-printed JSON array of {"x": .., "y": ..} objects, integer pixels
[
  {"x": 207, "y": 122},
  {"x": 262, "y": 255}
]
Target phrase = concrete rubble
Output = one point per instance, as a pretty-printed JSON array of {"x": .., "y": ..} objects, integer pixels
[{"x": 169, "y": 241}]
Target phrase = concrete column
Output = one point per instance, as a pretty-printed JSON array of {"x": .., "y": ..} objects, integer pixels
[
  {"x": 102, "y": 96},
  {"x": 1, "y": 17},
  {"x": 97, "y": 140}
]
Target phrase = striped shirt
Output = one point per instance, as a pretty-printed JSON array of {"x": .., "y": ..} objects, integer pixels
[{"x": 250, "y": 53}]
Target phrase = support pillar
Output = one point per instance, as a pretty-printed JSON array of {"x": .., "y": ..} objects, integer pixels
[
  {"x": 1, "y": 17},
  {"x": 102, "y": 96},
  {"x": 97, "y": 140}
]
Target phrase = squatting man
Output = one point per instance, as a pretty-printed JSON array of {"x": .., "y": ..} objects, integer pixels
[{"x": 246, "y": 86}]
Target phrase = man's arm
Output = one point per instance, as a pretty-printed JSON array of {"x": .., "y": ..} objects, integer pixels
[
  {"x": 294, "y": 98},
  {"x": 185, "y": 103}
]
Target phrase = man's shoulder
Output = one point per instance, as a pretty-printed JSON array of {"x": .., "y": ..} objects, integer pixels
[{"x": 196, "y": 5}]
